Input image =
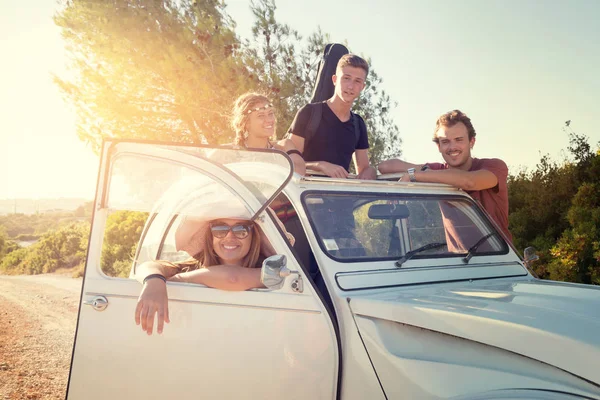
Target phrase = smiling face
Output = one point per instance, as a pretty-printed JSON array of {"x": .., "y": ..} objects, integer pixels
[
  {"x": 232, "y": 249},
  {"x": 261, "y": 123},
  {"x": 455, "y": 146},
  {"x": 349, "y": 82}
]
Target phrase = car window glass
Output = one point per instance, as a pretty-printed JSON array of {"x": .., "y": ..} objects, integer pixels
[
  {"x": 168, "y": 250},
  {"x": 264, "y": 173},
  {"x": 143, "y": 196},
  {"x": 137, "y": 180},
  {"x": 122, "y": 234},
  {"x": 353, "y": 227},
  {"x": 149, "y": 194},
  {"x": 425, "y": 224},
  {"x": 378, "y": 236}
]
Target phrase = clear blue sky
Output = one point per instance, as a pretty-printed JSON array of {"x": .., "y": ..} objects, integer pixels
[{"x": 519, "y": 69}]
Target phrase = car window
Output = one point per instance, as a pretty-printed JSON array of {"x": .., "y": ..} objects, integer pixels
[
  {"x": 177, "y": 210},
  {"x": 264, "y": 172},
  {"x": 122, "y": 234},
  {"x": 144, "y": 194},
  {"x": 152, "y": 188},
  {"x": 356, "y": 227}
]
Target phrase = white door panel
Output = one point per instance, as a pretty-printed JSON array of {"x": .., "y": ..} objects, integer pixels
[{"x": 256, "y": 344}]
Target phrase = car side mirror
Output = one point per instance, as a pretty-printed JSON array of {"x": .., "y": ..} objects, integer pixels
[
  {"x": 274, "y": 271},
  {"x": 530, "y": 256}
]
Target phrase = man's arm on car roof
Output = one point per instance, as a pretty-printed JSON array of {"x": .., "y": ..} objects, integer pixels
[
  {"x": 363, "y": 167},
  {"x": 396, "y": 165},
  {"x": 466, "y": 180}
]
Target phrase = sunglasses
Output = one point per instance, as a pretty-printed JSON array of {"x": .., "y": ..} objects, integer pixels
[{"x": 240, "y": 231}]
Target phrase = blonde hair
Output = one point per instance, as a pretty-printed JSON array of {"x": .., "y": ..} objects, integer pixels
[
  {"x": 208, "y": 257},
  {"x": 240, "y": 115}
]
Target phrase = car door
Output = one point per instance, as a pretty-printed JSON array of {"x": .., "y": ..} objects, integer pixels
[{"x": 255, "y": 344}]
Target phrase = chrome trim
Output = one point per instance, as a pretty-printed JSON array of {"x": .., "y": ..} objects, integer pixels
[
  {"x": 98, "y": 302},
  {"x": 211, "y": 303}
]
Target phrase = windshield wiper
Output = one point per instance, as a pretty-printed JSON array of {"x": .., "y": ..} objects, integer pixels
[
  {"x": 421, "y": 249},
  {"x": 473, "y": 249}
]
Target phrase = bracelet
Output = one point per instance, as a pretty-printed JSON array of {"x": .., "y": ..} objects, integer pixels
[
  {"x": 159, "y": 276},
  {"x": 294, "y": 151}
]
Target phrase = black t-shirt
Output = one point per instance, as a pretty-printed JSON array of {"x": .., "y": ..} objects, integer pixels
[{"x": 334, "y": 141}]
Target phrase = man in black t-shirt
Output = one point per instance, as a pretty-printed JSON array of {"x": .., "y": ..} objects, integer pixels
[{"x": 336, "y": 141}]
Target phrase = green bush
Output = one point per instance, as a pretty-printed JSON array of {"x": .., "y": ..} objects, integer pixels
[
  {"x": 121, "y": 236},
  {"x": 62, "y": 248},
  {"x": 556, "y": 209},
  {"x": 12, "y": 262}
]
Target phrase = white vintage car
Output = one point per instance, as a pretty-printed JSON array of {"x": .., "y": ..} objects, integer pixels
[{"x": 391, "y": 291}]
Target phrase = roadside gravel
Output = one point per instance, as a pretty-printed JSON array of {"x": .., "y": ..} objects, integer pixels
[{"x": 38, "y": 315}]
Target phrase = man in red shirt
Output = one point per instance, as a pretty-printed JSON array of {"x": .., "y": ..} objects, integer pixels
[{"x": 483, "y": 179}]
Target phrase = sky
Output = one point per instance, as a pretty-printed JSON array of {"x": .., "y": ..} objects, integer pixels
[
  {"x": 519, "y": 69},
  {"x": 41, "y": 155}
]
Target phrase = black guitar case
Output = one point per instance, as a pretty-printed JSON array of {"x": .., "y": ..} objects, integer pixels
[{"x": 323, "y": 87}]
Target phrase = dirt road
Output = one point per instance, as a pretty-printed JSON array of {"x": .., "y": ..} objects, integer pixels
[{"x": 37, "y": 325}]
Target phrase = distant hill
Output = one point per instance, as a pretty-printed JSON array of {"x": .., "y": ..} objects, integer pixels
[{"x": 32, "y": 206}]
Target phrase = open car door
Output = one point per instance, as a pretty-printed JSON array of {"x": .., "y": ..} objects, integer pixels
[{"x": 256, "y": 344}]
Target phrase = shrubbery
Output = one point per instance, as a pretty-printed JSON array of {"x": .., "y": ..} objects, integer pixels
[
  {"x": 66, "y": 247},
  {"x": 556, "y": 209},
  {"x": 123, "y": 231},
  {"x": 63, "y": 248}
]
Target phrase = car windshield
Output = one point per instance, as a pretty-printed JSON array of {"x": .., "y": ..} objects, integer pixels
[{"x": 354, "y": 227}]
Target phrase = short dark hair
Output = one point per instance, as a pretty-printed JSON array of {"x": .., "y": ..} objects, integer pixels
[
  {"x": 352, "y": 60},
  {"x": 452, "y": 118}
]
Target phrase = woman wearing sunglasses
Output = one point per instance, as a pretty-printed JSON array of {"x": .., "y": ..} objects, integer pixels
[{"x": 226, "y": 254}]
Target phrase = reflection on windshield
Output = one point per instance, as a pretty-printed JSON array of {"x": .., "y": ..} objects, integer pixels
[{"x": 354, "y": 228}]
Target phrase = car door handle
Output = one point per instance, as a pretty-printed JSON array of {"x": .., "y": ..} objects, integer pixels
[{"x": 99, "y": 303}]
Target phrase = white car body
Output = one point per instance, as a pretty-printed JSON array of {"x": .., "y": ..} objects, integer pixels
[{"x": 435, "y": 327}]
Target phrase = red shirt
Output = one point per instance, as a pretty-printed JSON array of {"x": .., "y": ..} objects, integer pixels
[{"x": 493, "y": 200}]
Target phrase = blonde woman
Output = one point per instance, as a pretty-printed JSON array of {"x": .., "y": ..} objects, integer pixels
[{"x": 254, "y": 123}]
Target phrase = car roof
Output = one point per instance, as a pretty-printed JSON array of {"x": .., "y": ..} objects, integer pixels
[{"x": 383, "y": 182}]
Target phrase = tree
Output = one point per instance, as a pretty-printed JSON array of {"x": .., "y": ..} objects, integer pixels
[
  {"x": 285, "y": 69},
  {"x": 549, "y": 184},
  {"x": 12, "y": 262},
  {"x": 577, "y": 253},
  {"x": 6, "y": 245},
  {"x": 556, "y": 209},
  {"x": 159, "y": 69},
  {"x": 170, "y": 70}
]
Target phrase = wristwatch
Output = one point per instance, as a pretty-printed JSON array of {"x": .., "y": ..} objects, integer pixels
[{"x": 411, "y": 174}]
